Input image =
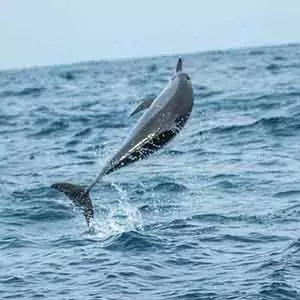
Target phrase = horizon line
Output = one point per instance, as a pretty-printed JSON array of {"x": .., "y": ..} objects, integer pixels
[{"x": 125, "y": 58}]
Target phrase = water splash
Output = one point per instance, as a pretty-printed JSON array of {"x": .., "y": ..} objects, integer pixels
[{"x": 121, "y": 216}]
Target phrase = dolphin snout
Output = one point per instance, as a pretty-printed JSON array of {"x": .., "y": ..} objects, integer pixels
[{"x": 179, "y": 65}]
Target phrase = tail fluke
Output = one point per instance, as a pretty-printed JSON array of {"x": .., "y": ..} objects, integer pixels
[{"x": 79, "y": 196}]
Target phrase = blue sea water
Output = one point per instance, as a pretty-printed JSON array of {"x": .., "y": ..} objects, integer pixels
[{"x": 214, "y": 215}]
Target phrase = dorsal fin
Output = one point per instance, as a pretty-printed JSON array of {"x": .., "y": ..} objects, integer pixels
[{"x": 179, "y": 65}]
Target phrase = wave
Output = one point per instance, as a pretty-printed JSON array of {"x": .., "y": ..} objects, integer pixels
[
  {"x": 277, "y": 126},
  {"x": 134, "y": 241},
  {"x": 273, "y": 67},
  {"x": 152, "y": 68},
  {"x": 68, "y": 75},
  {"x": 256, "y": 52},
  {"x": 169, "y": 187},
  {"x": 201, "y": 94},
  {"x": 285, "y": 215},
  {"x": 287, "y": 193},
  {"x": 30, "y": 91},
  {"x": 279, "y": 58},
  {"x": 279, "y": 290},
  {"x": 52, "y": 128}
]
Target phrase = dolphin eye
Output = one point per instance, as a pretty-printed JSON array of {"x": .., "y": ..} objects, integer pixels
[{"x": 188, "y": 77}]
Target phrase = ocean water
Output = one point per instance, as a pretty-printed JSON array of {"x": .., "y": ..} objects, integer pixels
[{"x": 214, "y": 215}]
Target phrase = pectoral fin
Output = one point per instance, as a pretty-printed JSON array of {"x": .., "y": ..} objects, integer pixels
[{"x": 142, "y": 106}]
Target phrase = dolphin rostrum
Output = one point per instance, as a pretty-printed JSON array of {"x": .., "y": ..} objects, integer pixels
[{"x": 165, "y": 117}]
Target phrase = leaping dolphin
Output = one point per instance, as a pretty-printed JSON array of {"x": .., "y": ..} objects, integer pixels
[{"x": 165, "y": 117}]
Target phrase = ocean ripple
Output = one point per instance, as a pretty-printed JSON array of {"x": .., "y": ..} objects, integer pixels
[{"x": 214, "y": 215}]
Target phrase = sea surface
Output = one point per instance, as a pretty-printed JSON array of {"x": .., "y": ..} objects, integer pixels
[{"x": 214, "y": 215}]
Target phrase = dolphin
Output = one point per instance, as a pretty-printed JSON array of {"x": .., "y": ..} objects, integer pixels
[{"x": 164, "y": 118}]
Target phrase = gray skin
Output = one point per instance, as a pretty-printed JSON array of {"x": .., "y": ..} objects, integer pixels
[{"x": 164, "y": 118}]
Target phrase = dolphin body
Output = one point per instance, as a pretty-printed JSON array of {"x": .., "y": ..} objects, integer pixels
[{"x": 165, "y": 117}]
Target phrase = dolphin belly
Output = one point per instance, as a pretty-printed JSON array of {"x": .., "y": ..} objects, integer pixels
[{"x": 151, "y": 145}]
